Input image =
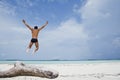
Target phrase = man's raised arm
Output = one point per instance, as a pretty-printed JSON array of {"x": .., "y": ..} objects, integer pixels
[
  {"x": 27, "y": 24},
  {"x": 43, "y": 26}
]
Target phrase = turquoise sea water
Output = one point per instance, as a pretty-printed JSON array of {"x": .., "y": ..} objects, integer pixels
[{"x": 62, "y": 62}]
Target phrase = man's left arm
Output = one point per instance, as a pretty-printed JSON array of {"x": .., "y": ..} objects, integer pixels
[{"x": 43, "y": 26}]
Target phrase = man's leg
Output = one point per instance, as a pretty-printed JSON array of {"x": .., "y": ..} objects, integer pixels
[
  {"x": 37, "y": 46},
  {"x": 29, "y": 47}
]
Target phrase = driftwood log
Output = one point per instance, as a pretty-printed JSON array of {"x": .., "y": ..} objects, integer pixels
[{"x": 20, "y": 69}]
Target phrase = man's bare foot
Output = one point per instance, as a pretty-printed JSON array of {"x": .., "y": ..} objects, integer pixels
[
  {"x": 34, "y": 51},
  {"x": 27, "y": 50}
]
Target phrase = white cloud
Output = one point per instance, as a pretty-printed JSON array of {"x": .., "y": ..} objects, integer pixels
[
  {"x": 68, "y": 38},
  {"x": 67, "y": 30},
  {"x": 94, "y": 9},
  {"x": 101, "y": 20},
  {"x": 11, "y": 32},
  {"x": 97, "y": 15}
]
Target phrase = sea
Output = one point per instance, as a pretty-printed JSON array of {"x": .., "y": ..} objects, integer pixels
[{"x": 58, "y": 62}]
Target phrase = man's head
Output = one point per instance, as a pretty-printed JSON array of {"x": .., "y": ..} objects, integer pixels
[{"x": 35, "y": 27}]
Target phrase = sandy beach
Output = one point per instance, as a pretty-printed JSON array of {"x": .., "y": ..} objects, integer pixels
[{"x": 93, "y": 71}]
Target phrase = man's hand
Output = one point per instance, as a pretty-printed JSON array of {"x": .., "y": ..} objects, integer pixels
[
  {"x": 23, "y": 21},
  {"x": 46, "y": 22}
]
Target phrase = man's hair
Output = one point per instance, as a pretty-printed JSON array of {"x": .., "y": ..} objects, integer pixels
[{"x": 35, "y": 27}]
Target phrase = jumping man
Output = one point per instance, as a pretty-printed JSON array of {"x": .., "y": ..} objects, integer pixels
[{"x": 34, "y": 32}]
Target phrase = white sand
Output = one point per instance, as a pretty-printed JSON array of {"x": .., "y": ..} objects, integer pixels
[{"x": 95, "y": 71}]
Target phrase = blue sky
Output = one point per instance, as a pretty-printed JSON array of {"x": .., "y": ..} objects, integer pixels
[{"x": 77, "y": 29}]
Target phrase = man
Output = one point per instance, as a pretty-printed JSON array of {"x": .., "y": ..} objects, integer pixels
[{"x": 34, "y": 32}]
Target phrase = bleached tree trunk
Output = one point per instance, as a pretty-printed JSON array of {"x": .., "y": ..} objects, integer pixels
[{"x": 20, "y": 69}]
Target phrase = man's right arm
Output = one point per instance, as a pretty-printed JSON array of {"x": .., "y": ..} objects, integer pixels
[{"x": 27, "y": 24}]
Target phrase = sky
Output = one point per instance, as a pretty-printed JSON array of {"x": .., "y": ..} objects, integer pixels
[{"x": 77, "y": 29}]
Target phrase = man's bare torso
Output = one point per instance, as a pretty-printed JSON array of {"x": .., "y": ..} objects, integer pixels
[{"x": 35, "y": 33}]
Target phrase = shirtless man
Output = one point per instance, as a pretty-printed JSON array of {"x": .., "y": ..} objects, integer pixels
[{"x": 34, "y": 39}]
